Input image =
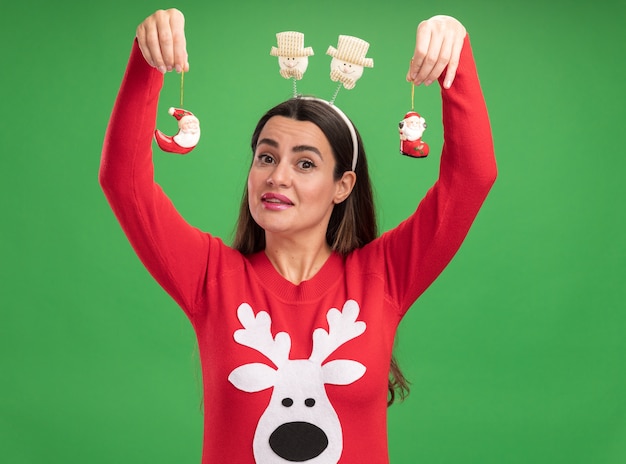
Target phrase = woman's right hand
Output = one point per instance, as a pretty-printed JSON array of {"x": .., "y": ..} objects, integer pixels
[{"x": 161, "y": 38}]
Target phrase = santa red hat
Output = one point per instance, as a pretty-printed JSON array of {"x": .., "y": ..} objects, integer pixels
[
  {"x": 179, "y": 113},
  {"x": 411, "y": 114}
]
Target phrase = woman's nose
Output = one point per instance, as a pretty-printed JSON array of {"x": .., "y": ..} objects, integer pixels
[{"x": 280, "y": 176}]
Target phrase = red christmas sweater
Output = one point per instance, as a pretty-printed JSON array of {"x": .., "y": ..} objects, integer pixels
[{"x": 295, "y": 373}]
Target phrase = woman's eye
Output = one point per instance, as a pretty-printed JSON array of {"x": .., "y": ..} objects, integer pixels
[
  {"x": 265, "y": 158},
  {"x": 306, "y": 164}
]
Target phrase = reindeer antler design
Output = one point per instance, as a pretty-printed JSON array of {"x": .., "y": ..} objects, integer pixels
[
  {"x": 342, "y": 327},
  {"x": 299, "y": 422},
  {"x": 257, "y": 334}
]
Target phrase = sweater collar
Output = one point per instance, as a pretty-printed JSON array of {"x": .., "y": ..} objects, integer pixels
[{"x": 268, "y": 277}]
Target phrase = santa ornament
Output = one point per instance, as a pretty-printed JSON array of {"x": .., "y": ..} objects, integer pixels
[
  {"x": 411, "y": 129},
  {"x": 187, "y": 136},
  {"x": 188, "y": 133}
]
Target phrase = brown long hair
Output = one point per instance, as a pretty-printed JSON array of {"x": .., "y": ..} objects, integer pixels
[{"x": 352, "y": 223}]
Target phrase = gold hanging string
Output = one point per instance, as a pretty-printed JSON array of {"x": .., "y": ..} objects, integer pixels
[
  {"x": 182, "y": 87},
  {"x": 412, "y": 97}
]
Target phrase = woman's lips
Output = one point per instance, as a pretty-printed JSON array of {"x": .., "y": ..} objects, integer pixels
[{"x": 275, "y": 201}]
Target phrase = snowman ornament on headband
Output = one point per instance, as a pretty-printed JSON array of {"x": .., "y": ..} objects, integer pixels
[
  {"x": 349, "y": 60},
  {"x": 346, "y": 67},
  {"x": 293, "y": 56}
]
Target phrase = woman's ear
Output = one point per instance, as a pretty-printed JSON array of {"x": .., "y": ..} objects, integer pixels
[{"x": 345, "y": 186}]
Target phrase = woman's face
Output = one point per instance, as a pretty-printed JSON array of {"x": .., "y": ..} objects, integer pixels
[{"x": 291, "y": 189}]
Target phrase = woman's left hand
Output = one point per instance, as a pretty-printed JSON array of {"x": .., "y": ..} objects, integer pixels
[{"x": 437, "y": 47}]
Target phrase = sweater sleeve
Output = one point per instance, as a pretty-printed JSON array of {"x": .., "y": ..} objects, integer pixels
[
  {"x": 174, "y": 252},
  {"x": 418, "y": 250}
]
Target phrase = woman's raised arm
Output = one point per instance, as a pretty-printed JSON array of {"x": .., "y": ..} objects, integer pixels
[{"x": 175, "y": 253}]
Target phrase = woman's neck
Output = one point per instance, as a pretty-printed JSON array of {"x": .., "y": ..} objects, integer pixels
[{"x": 295, "y": 261}]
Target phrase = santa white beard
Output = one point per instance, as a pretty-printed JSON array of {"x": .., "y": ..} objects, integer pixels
[
  {"x": 187, "y": 139},
  {"x": 412, "y": 134}
]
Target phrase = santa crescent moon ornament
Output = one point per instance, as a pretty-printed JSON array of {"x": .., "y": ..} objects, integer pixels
[
  {"x": 187, "y": 136},
  {"x": 188, "y": 133},
  {"x": 411, "y": 129}
]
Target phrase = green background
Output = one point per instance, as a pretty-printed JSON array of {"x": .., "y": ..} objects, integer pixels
[{"x": 517, "y": 352}]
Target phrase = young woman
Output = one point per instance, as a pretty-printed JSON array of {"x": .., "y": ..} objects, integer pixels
[{"x": 295, "y": 322}]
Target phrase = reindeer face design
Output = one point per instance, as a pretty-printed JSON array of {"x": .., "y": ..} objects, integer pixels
[{"x": 299, "y": 424}]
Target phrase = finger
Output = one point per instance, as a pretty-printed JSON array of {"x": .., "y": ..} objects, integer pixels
[
  {"x": 142, "y": 41},
  {"x": 155, "y": 49},
  {"x": 441, "y": 63},
  {"x": 177, "y": 26},
  {"x": 453, "y": 65},
  {"x": 165, "y": 41},
  {"x": 148, "y": 40},
  {"x": 422, "y": 41},
  {"x": 430, "y": 60}
]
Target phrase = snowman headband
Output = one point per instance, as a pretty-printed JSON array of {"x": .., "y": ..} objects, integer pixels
[{"x": 346, "y": 67}]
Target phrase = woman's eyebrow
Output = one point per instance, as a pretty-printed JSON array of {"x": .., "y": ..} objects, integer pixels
[
  {"x": 300, "y": 148},
  {"x": 297, "y": 149},
  {"x": 266, "y": 141}
]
